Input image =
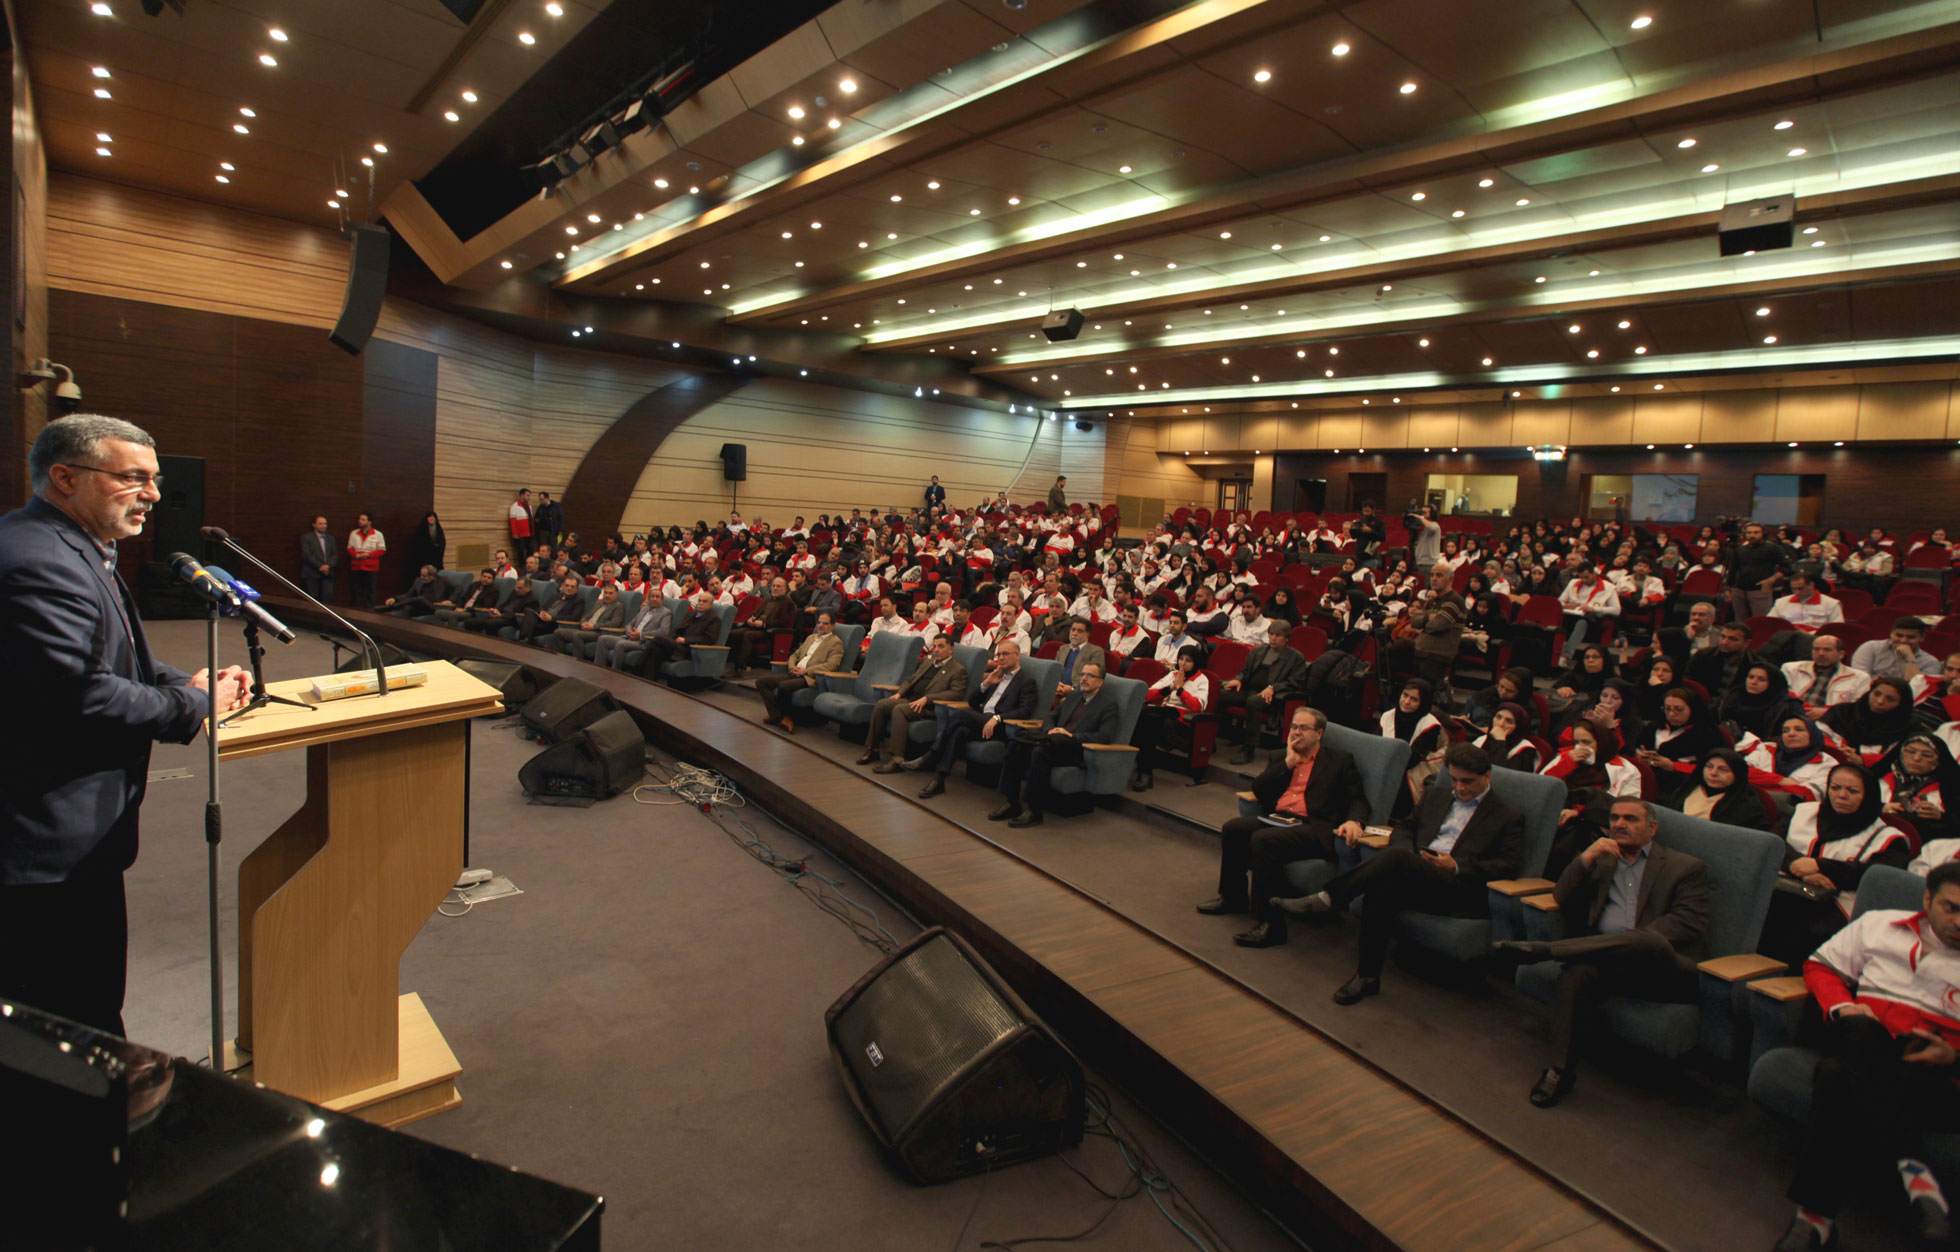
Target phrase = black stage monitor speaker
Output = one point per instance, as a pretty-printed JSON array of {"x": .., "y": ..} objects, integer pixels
[
  {"x": 1758, "y": 225},
  {"x": 1062, "y": 325},
  {"x": 518, "y": 685},
  {"x": 567, "y": 707},
  {"x": 391, "y": 656},
  {"x": 735, "y": 462},
  {"x": 367, "y": 282},
  {"x": 954, "y": 1074},
  {"x": 597, "y": 763}
]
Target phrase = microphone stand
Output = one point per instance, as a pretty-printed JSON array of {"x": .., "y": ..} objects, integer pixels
[
  {"x": 214, "y": 829},
  {"x": 372, "y": 649},
  {"x": 255, "y": 650}
]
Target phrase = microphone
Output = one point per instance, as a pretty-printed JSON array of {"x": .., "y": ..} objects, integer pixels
[
  {"x": 249, "y": 605},
  {"x": 218, "y": 534},
  {"x": 202, "y": 581}
]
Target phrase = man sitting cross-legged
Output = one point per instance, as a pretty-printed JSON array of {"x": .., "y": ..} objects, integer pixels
[{"x": 937, "y": 677}]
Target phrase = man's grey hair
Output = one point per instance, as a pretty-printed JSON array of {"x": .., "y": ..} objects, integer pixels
[{"x": 78, "y": 440}]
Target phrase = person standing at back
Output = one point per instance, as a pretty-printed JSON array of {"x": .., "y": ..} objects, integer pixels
[
  {"x": 318, "y": 556},
  {"x": 1058, "y": 495},
  {"x": 92, "y": 699},
  {"x": 365, "y": 546}
]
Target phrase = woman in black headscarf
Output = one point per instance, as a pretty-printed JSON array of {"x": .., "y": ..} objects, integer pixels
[
  {"x": 1758, "y": 704},
  {"x": 1612, "y": 709},
  {"x": 1511, "y": 686},
  {"x": 1873, "y": 726},
  {"x": 1579, "y": 682},
  {"x": 1671, "y": 746},
  {"x": 1719, "y": 791},
  {"x": 1507, "y": 742},
  {"x": 1919, "y": 781},
  {"x": 1281, "y": 605},
  {"x": 1411, "y": 721},
  {"x": 1830, "y": 844},
  {"x": 427, "y": 543},
  {"x": 1662, "y": 676}
]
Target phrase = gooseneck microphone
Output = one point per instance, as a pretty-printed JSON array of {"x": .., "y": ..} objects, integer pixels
[
  {"x": 218, "y": 534},
  {"x": 251, "y": 608}
]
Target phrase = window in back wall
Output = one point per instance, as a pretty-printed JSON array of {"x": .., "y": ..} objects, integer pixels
[{"x": 1788, "y": 499}]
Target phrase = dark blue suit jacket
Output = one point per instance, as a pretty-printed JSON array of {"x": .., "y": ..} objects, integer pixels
[
  {"x": 88, "y": 699},
  {"x": 1016, "y": 703},
  {"x": 1099, "y": 722}
]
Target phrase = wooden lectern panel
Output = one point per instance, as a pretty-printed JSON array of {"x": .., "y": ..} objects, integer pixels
[{"x": 328, "y": 903}]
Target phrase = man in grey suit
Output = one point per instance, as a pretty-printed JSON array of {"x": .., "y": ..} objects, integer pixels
[
  {"x": 654, "y": 618},
  {"x": 319, "y": 556},
  {"x": 1636, "y": 921},
  {"x": 89, "y": 700},
  {"x": 1075, "y": 654},
  {"x": 575, "y": 638},
  {"x": 1058, "y": 496},
  {"x": 938, "y": 677},
  {"x": 823, "y": 650},
  {"x": 1273, "y": 673},
  {"x": 1086, "y": 717}
]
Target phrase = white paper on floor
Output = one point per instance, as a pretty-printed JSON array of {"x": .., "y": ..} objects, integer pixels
[{"x": 495, "y": 889}]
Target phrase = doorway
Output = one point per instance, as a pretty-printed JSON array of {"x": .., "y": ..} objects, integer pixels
[
  {"x": 1234, "y": 493},
  {"x": 1310, "y": 495}
]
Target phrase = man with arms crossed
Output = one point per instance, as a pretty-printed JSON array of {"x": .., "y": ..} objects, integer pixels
[{"x": 90, "y": 701}]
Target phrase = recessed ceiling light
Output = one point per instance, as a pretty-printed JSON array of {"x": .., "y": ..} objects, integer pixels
[
  {"x": 100, "y": 71},
  {"x": 1710, "y": 168},
  {"x": 1838, "y": 444},
  {"x": 1422, "y": 343},
  {"x": 1641, "y": 350},
  {"x": 220, "y": 177},
  {"x": 555, "y": 9},
  {"x": 660, "y": 183},
  {"x": 1014, "y": 199},
  {"x": 1817, "y": 243},
  {"x": 1625, "y": 325},
  {"x": 816, "y": 225},
  {"x": 1418, "y": 195},
  {"x": 247, "y": 112},
  {"x": 1793, "y": 443},
  {"x": 1126, "y": 169},
  {"x": 1488, "y": 361},
  {"x": 1769, "y": 338},
  {"x": 571, "y": 230},
  {"x": 933, "y": 186},
  {"x": 847, "y": 86},
  {"x": 103, "y": 137},
  {"x": 1523, "y": 200},
  {"x": 1456, "y": 213},
  {"x": 102, "y": 152},
  {"x": 1657, "y": 387},
  {"x": 101, "y": 10},
  {"x": 469, "y": 97},
  {"x": 1224, "y": 234},
  {"x": 1572, "y": 329},
  {"x": 334, "y": 204},
  {"x": 1339, "y": 49},
  {"x": 897, "y": 198},
  {"x": 1642, "y": 22},
  {"x": 1516, "y": 394},
  {"x": 1539, "y": 279},
  {"x": 101, "y": 93},
  {"x": 526, "y": 38},
  {"x": 1326, "y": 238},
  {"x": 1592, "y": 353},
  {"x": 268, "y": 60},
  {"x": 1797, "y": 152},
  {"x": 241, "y": 128},
  {"x": 834, "y": 124},
  {"x": 341, "y": 194},
  {"x": 1763, "y": 311},
  {"x": 592, "y": 218},
  {"x": 1263, "y": 76},
  {"x": 1685, "y": 143},
  {"x": 1785, "y": 124},
  {"x": 796, "y": 110},
  {"x": 278, "y": 36},
  {"x": 383, "y": 149},
  {"x": 450, "y": 115},
  {"x": 1333, "y": 352}
]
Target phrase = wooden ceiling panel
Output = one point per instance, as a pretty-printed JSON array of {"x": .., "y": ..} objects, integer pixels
[
  {"x": 944, "y": 35},
  {"x": 1707, "y": 37},
  {"x": 1454, "y": 41},
  {"x": 1191, "y": 106}
]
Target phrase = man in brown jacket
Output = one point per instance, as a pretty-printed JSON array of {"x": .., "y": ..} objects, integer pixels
[
  {"x": 938, "y": 677},
  {"x": 823, "y": 650}
]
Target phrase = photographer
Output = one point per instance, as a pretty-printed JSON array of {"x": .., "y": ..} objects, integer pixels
[{"x": 1369, "y": 533}]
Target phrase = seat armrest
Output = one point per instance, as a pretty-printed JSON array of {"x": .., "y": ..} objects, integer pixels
[
  {"x": 1373, "y": 841},
  {"x": 831, "y": 673},
  {"x": 1742, "y": 967},
  {"x": 1784, "y": 990},
  {"x": 884, "y": 686},
  {"x": 1546, "y": 903},
  {"x": 1245, "y": 795},
  {"x": 1109, "y": 747},
  {"x": 950, "y": 704},
  {"x": 1520, "y": 886},
  {"x": 1029, "y": 723}
]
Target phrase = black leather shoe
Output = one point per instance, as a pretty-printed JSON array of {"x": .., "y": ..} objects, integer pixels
[
  {"x": 1029, "y": 817},
  {"x": 1142, "y": 782},
  {"x": 1935, "y": 1227},
  {"x": 1803, "y": 1237},
  {"x": 937, "y": 787},
  {"x": 1242, "y": 757},
  {"x": 888, "y": 767},
  {"x": 1552, "y": 1087},
  {"x": 869, "y": 758},
  {"x": 1303, "y": 906},
  {"x": 1004, "y": 812},
  {"x": 1357, "y": 989},
  {"x": 1264, "y": 935},
  {"x": 1219, "y": 904}
]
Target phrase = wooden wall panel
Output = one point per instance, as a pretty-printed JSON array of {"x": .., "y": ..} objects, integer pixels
[
  {"x": 24, "y": 412},
  {"x": 1663, "y": 418},
  {"x": 1739, "y": 416},
  {"x": 1601, "y": 420},
  {"x": 1903, "y": 410},
  {"x": 1432, "y": 427},
  {"x": 1817, "y": 413},
  {"x": 1152, "y": 475},
  {"x": 1541, "y": 421}
]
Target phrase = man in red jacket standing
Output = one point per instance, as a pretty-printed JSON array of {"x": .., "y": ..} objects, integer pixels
[{"x": 365, "y": 546}]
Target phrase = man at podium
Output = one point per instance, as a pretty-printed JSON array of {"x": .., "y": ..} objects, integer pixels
[{"x": 86, "y": 701}]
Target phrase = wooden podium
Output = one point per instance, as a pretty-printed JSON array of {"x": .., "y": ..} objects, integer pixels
[{"x": 330, "y": 900}]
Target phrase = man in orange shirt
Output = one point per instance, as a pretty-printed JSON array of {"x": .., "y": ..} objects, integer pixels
[{"x": 1315, "y": 793}]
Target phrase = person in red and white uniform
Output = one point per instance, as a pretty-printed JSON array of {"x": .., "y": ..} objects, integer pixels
[
  {"x": 942, "y": 605},
  {"x": 1805, "y": 607},
  {"x": 1093, "y": 604},
  {"x": 1012, "y": 612},
  {"x": 1887, "y": 984},
  {"x": 1164, "y": 729},
  {"x": 922, "y": 624},
  {"x": 365, "y": 546},
  {"x": 1826, "y": 678},
  {"x": 520, "y": 522},
  {"x": 1128, "y": 635},
  {"x": 1588, "y": 599},
  {"x": 1637, "y": 586}
]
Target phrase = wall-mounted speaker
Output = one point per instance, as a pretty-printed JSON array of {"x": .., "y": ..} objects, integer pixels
[
  {"x": 1062, "y": 325},
  {"x": 367, "y": 283},
  {"x": 735, "y": 462},
  {"x": 951, "y": 1071},
  {"x": 567, "y": 707},
  {"x": 600, "y": 761}
]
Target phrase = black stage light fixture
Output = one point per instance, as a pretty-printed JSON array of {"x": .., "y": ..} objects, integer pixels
[{"x": 1062, "y": 325}]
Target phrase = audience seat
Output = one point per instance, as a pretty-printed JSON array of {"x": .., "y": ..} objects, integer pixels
[
  {"x": 1382, "y": 763},
  {"x": 1106, "y": 767},
  {"x": 703, "y": 661},
  {"x": 1742, "y": 869},
  {"x": 990, "y": 754},
  {"x": 847, "y": 698}
]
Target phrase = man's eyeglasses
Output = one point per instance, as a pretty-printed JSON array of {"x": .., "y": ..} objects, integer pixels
[{"x": 134, "y": 480}]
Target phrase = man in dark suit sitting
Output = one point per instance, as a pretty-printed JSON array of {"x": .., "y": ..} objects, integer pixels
[
  {"x": 1087, "y": 716},
  {"x": 699, "y": 626},
  {"x": 1272, "y": 674},
  {"x": 937, "y": 677},
  {"x": 486, "y": 618},
  {"x": 1313, "y": 785},
  {"x": 1439, "y": 860},
  {"x": 1007, "y": 693},
  {"x": 1636, "y": 921}
]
